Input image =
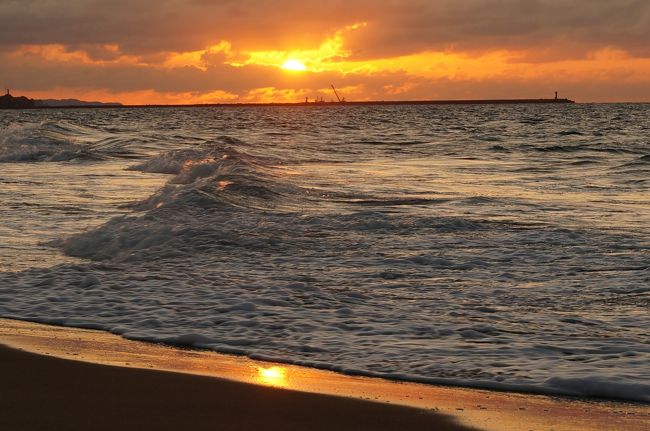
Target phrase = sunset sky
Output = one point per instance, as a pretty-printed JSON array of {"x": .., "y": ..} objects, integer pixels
[{"x": 209, "y": 51}]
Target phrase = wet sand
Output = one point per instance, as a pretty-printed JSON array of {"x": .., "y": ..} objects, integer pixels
[
  {"x": 66, "y": 378},
  {"x": 44, "y": 393}
]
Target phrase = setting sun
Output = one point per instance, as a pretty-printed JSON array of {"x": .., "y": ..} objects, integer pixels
[{"x": 294, "y": 65}]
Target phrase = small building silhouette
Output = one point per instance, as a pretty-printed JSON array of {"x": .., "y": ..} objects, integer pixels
[{"x": 10, "y": 102}]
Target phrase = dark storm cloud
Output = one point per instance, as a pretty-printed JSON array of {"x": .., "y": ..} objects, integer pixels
[
  {"x": 396, "y": 27},
  {"x": 140, "y": 26},
  {"x": 471, "y": 25}
]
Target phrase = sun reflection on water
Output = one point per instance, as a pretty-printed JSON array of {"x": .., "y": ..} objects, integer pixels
[
  {"x": 272, "y": 376},
  {"x": 223, "y": 184}
]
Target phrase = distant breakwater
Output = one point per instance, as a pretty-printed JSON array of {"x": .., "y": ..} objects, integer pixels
[{"x": 319, "y": 103}]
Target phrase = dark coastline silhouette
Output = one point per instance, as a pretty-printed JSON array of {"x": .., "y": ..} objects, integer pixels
[
  {"x": 72, "y": 103},
  {"x": 10, "y": 102},
  {"x": 21, "y": 102}
]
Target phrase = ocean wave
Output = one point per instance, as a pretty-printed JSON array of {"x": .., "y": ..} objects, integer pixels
[
  {"x": 58, "y": 141},
  {"x": 212, "y": 184},
  {"x": 388, "y": 202},
  {"x": 570, "y": 132},
  {"x": 642, "y": 163},
  {"x": 561, "y": 148},
  {"x": 368, "y": 268},
  {"x": 215, "y": 173},
  {"x": 500, "y": 149},
  {"x": 596, "y": 386}
]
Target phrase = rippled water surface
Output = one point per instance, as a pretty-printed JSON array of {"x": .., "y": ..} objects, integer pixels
[{"x": 490, "y": 246}]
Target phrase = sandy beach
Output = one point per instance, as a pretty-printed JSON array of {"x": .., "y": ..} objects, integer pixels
[
  {"x": 41, "y": 393},
  {"x": 66, "y": 378}
]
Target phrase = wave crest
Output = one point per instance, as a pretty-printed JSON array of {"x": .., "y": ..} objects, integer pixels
[
  {"x": 212, "y": 184},
  {"x": 58, "y": 141}
]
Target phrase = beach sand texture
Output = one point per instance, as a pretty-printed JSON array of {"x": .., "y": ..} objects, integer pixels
[
  {"x": 41, "y": 393},
  {"x": 95, "y": 380}
]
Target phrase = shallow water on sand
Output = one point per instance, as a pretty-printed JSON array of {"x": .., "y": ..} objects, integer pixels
[{"x": 490, "y": 246}]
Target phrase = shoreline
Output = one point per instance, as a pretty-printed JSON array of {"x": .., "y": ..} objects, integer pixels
[
  {"x": 317, "y": 367},
  {"x": 560, "y": 101},
  {"x": 41, "y": 392},
  {"x": 482, "y": 409}
]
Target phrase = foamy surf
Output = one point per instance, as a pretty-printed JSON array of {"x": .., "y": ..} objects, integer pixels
[{"x": 430, "y": 261}]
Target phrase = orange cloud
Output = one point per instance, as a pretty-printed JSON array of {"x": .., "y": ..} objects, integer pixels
[
  {"x": 201, "y": 59},
  {"x": 57, "y": 53},
  {"x": 142, "y": 97},
  {"x": 330, "y": 55},
  {"x": 230, "y": 72}
]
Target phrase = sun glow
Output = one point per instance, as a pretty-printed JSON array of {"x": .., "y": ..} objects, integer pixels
[
  {"x": 273, "y": 376},
  {"x": 294, "y": 65}
]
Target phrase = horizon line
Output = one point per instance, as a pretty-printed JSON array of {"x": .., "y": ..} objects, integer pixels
[{"x": 502, "y": 101}]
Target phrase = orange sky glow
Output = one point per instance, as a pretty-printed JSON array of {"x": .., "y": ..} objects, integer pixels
[{"x": 384, "y": 50}]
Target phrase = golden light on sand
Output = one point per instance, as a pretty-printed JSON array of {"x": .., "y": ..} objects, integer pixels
[
  {"x": 294, "y": 65},
  {"x": 272, "y": 376}
]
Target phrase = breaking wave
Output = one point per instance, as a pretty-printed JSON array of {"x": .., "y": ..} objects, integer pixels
[
  {"x": 355, "y": 257},
  {"x": 59, "y": 141}
]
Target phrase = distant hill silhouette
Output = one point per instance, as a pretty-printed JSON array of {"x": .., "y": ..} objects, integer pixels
[
  {"x": 66, "y": 103},
  {"x": 21, "y": 102},
  {"x": 8, "y": 102}
]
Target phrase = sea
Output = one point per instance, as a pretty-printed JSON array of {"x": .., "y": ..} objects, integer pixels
[{"x": 501, "y": 247}]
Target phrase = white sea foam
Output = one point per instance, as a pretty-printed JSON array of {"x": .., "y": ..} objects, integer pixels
[{"x": 388, "y": 264}]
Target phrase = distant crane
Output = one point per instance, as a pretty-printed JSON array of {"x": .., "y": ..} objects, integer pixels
[{"x": 337, "y": 95}]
